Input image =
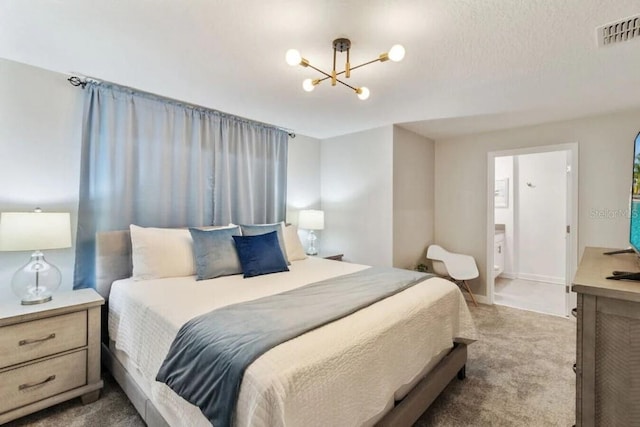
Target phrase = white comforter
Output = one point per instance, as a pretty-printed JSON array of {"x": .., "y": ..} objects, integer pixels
[{"x": 345, "y": 373}]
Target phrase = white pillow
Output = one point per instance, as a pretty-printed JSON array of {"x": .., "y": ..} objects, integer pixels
[
  {"x": 292, "y": 243},
  {"x": 161, "y": 252}
]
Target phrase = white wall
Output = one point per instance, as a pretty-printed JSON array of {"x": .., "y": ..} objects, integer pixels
[
  {"x": 357, "y": 196},
  {"x": 40, "y": 123},
  {"x": 303, "y": 180},
  {"x": 542, "y": 216},
  {"x": 504, "y": 216},
  {"x": 303, "y": 176},
  {"x": 605, "y": 162},
  {"x": 413, "y": 197}
]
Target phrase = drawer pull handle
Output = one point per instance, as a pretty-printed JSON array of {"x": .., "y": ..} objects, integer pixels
[
  {"x": 30, "y": 385},
  {"x": 574, "y": 312},
  {"x": 37, "y": 340},
  {"x": 575, "y": 368}
]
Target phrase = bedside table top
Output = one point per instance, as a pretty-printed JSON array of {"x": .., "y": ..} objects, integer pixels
[{"x": 63, "y": 302}]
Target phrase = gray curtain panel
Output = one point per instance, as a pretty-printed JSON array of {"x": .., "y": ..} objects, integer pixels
[{"x": 151, "y": 161}]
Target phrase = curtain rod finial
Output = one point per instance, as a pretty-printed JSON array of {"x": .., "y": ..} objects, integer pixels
[{"x": 76, "y": 81}]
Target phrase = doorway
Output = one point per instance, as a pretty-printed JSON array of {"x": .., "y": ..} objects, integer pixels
[{"x": 531, "y": 235}]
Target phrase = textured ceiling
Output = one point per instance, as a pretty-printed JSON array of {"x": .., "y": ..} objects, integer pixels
[{"x": 471, "y": 65}]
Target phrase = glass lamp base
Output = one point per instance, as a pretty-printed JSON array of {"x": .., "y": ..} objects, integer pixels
[
  {"x": 311, "y": 238},
  {"x": 35, "y": 282},
  {"x": 36, "y": 300}
]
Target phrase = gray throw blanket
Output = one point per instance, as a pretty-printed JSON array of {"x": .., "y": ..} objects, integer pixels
[{"x": 208, "y": 358}]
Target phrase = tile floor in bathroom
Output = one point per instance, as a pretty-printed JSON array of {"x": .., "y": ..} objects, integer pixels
[{"x": 529, "y": 295}]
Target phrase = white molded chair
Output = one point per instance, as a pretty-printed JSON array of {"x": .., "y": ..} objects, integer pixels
[{"x": 458, "y": 267}]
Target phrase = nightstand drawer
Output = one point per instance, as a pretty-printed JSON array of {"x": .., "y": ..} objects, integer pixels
[
  {"x": 39, "y": 338},
  {"x": 40, "y": 380}
]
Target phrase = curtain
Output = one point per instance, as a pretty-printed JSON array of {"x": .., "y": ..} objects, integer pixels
[{"x": 151, "y": 161}]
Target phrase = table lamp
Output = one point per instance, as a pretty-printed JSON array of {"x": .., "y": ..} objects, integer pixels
[
  {"x": 311, "y": 220},
  {"x": 35, "y": 282}
]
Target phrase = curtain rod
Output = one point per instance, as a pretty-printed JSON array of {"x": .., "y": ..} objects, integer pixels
[{"x": 83, "y": 80}]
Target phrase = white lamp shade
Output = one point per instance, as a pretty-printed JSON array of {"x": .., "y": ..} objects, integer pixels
[
  {"x": 29, "y": 231},
  {"x": 311, "y": 220}
]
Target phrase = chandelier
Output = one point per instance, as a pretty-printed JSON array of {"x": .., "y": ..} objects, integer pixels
[{"x": 293, "y": 58}]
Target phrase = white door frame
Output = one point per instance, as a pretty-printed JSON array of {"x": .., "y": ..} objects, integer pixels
[{"x": 572, "y": 210}]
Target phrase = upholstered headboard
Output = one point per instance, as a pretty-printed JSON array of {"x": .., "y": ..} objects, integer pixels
[{"x": 113, "y": 259}]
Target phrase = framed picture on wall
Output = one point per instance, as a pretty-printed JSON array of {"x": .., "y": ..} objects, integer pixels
[{"x": 502, "y": 193}]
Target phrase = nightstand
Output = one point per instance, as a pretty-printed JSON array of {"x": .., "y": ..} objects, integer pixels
[
  {"x": 49, "y": 352},
  {"x": 330, "y": 255}
]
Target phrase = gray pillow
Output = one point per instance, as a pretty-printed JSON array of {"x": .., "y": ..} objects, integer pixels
[
  {"x": 215, "y": 252},
  {"x": 257, "y": 229}
]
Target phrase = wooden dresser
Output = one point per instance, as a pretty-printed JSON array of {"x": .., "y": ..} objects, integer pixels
[
  {"x": 49, "y": 352},
  {"x": 608, "y": 345}
]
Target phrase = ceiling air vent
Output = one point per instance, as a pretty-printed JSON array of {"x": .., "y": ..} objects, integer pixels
[{"x": 620, "y": 31}]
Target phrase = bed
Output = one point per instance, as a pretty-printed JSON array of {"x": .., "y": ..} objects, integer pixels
[{"x": 383, "y": 365}]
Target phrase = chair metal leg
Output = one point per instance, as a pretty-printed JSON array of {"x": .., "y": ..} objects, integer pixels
[{"x": 466, "y": 286}]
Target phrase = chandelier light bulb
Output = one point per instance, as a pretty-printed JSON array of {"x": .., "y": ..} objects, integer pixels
[
  {"x": 396, "y": 53},
  {"x": 308, "y": 85},
  {"x": 363, "y": 93},
  {"x": 293, "y": 57}
]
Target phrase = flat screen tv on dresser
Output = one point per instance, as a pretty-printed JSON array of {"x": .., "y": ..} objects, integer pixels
[
  {"x": 634, "y": 207},
  {"x": 634, "y": 217}
]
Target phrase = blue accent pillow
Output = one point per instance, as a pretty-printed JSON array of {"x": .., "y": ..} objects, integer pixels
[
  {"x": 257, "y": 229},
  {"x": 260, "y": 254},
  {"x": 215, "y": 252}
]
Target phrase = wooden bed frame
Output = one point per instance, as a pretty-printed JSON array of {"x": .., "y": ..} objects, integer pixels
[{"x": 113, "y": 262}]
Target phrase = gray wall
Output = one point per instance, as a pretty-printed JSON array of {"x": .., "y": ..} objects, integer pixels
[
  {"x": 40, "y": 124},
  {"x": 303, "y": 176},
  {"x": 357, "y": 195},
  {"x": 605, "y": 162},
  {"x": 377, "y": 191},
  {"x": 413, "y": 197}
]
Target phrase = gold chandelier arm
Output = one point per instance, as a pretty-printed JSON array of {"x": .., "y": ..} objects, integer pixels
[
  {"x": 337, "y": 80},
  {"x": 347, "y": 66},
  {"x": 347, "y": 85},
  {"x": 328, "y": 76},
  {"x": 333, "y": 71},
  {"x": 366, "y": 63}
]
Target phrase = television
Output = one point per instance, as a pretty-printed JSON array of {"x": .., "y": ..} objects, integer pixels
[
  {"x": 634, "y": 207},
  {"x": 634, "y": 217}
]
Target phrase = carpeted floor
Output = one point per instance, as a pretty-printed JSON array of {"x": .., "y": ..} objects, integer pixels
[{"x": 518, "y": 374}]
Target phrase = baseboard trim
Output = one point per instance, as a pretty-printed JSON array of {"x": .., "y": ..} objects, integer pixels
[
  {"x": 541, "y": 278},
  {"x": 532, "y": 277}
]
